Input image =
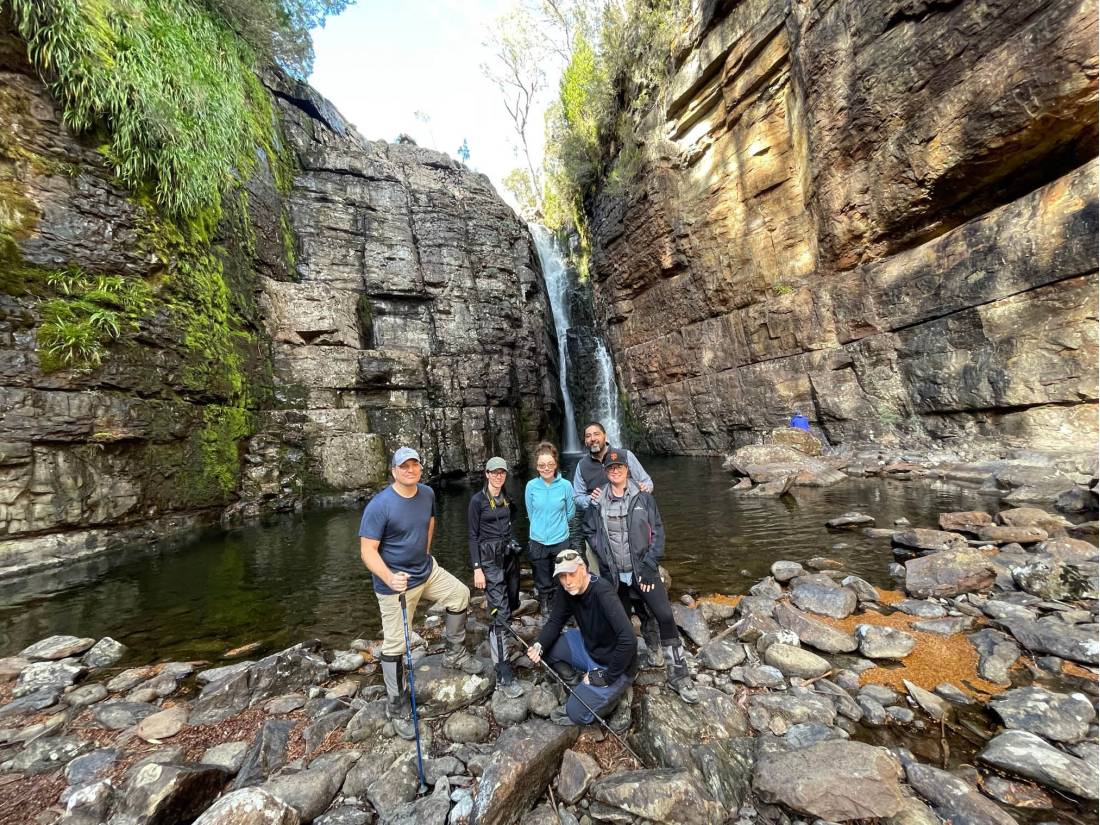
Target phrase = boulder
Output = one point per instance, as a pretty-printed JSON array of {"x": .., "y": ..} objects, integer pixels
[
  {"x": 104, "y": 653},
  {"x": 1067, "y": 549},
  {"x": 1000, "y": 534},
  {"x": 311, "y": 791},
  {"x": 834, "y": 780},
  {"x": 289, "y": 670},
  {"x": 929, "y": 541},
  {"x": 850, "y": 519},
  {"x": 673, "y": 796},
  {"x": 814, "y": 633},
  {"x": 794, "y": 661},
  {"x": 877, "y": 642},
  {"x": 784, "y": 571},
  {"x": 508, "y": 712},
  {"x": 803, "y": 441},
  {"x": 1029, "y": 756},
  {"x": 690, "y": 620},
  {"x": 578, "y": 770},
  {"x": 266, "y": 754},
  {"x": 48, "y": 754},
  {"x": 996, "y": 654},
  {"x": 441, "y": 690},
  {"x": 949, "y": 573},
  {"x": 1056, "y": 580},
  {"x": 47, "y": 675},
  {"x": 967, "y": 521},
  {"x": 1058, "y": 717},
  {"x": 56, "y": 647},
  {"x": 522, "y": 765},
  {"x": 465, "y": 727},
  {"x": 954, "y": 799},
  {"x": 1055, "y": 637},
  {"x": 818, "y": 595},
  {"x": 249, "y": 806},
  {"x": 130, "y": 678},
  {"x": 172, "y": 792},
  {"x": 1033, "y": 517},
  {"x": 386, "y": 775},
  {"x": 721, "y": 654},
  {"x": 702, "y": 738},
  {"x": 228, "y": 755}
]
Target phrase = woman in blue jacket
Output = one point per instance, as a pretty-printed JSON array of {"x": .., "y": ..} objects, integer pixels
[{"x": 549, "y": 501}]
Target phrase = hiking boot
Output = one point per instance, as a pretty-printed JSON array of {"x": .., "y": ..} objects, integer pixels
[
  {"x": 457, "y": 657},
  {"x": 620, "y": 719},
  {"x": 398, "y": 704},
  {"x": 677, "y": 675},
  {"x": 506, "y": 681},
  {"x": 559, "y": 716}
]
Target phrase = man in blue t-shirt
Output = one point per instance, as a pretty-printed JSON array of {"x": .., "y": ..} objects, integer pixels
[{"x": 395, "y": 542}]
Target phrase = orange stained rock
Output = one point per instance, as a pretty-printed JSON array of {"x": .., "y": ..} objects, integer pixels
[
  {"x": 718, "y": 598},
  {"x": 934, "y": 660}
]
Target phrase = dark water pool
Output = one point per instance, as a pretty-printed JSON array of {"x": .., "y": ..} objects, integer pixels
[{"x": 302, "y": 577}]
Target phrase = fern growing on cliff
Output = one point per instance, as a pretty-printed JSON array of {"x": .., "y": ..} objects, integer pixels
[{"x": 170, "y": 88}]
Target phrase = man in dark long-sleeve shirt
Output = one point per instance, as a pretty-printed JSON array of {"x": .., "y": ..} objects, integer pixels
[{"x": 602, "y": 647}]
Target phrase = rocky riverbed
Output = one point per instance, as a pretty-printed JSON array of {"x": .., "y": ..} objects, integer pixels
[{"x": 968, "y": 694}]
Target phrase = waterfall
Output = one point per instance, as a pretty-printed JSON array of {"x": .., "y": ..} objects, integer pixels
[
  {"x": 556, "y": 275},
  {"x": 608, "y": 410}
]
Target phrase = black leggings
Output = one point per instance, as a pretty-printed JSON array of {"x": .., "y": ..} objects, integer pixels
[
  {"x": 656, "y": 602},
  {"x": 542, "y": 564}
]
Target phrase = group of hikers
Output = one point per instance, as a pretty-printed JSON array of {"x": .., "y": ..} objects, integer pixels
[{"x": 599, "y": 588}]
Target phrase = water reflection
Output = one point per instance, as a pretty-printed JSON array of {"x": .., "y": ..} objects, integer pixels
[{"x": 301, "y": 577}]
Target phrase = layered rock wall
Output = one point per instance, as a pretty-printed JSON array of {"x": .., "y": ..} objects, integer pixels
[
  {"x": 882, "y": 214},
  {"x": 357, "y": 297}
]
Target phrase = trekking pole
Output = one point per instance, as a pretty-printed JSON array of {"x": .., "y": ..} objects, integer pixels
[
  {"x": 423, "y": 789},
  {"x": 571, "y": 692}
]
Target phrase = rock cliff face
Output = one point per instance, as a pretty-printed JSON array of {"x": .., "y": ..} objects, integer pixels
[
  {"x": 361, "y": 296},
  {"x": 882, "y": 214}
]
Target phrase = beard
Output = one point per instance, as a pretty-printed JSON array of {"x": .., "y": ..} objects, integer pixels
[{"x": 594, "y": 448}]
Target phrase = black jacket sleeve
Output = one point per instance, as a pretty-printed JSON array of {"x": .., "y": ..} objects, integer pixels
[
  {"x": 473, "y": 524},
  {"x": 657, "y": 542},
  {"x": 590, "y": 529},
  {"x": 626, "y": 647}
]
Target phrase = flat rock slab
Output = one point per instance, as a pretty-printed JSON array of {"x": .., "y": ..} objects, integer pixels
[
  {"x": 947, "y": 626},
  {"x": 56, "y": 647},
  {"x": 122, "y": 715},
  {"x": 721, "y": 654},
  {"x": 1058, "y": 638},
  {"x": 441, "y": 690},
  {"x": 524, "y": 762},
  {"x": 954, "y": 799},
  {"x": 928, "y": 541},
  {"x": 49, "y": 754},
  {"x": 578, "y": 770},
  {"x": 819, "y": 597},
  {"x": 921, "y": 608},
  {"x": 850, "y": 519},
  {"x": 672, "y": 796},
  {"x": 667, "y": 729},
  {"x": 814, "y": 633},
  {"x": 1031, "y": 757},
  {"x": 967, "y": 521},
  {"x": 249, "y": 806},
  {"x": 949, "y": 573},
  {"x": 1058, "y": 717},
  {"x": 835, "y": 780},
  {"x": 794, "y": 661},
  {"x": 228, "y": 755}
]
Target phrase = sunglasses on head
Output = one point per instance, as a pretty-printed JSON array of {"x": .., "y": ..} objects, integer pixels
[{"x": 567, "y": 555}]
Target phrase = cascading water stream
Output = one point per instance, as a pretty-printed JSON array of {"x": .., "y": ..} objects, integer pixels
[
  {"x": 608, "y": 410},
  {"x": 556, "y": 275}
]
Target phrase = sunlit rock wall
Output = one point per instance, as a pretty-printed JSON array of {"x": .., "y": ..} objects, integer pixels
[{"x": 883, "y": 214}]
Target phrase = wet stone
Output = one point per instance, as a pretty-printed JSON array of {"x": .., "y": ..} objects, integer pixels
[
  {"x": 104, "y": 653},
  {"x": 1055, "y": 716},
  {"x": 899, "y": 714},
  {"x": 721, "y": 654},
  {"x": 56, "y": 647},
  {"x": 922, "y": 608},
  {"x": 947, "y": 626},
  {"x": 784, "y": 571},
  {"x": 929, "y": 702},
  {"x": 954, "y": 799},
  {"x": 84, "y": 769},
  {"x": 122, "y": 715},
  {"x": 826, "y": 599},
  {"x": 873, "y": 712},
  {"x": 1029, "y": 756},
  {"x": 850, "y": 519},
  {"x": 1016, "y": 794},
  {"x": 85, "y": 695},
  {"x": 884, "y": 642}
]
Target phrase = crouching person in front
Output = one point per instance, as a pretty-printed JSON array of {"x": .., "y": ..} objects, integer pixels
[{"x": 600, "y": 656}]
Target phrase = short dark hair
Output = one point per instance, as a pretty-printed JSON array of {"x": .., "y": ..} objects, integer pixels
[{"x": 595, "y": 424}]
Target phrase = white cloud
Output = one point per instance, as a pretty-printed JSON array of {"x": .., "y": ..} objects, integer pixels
[{"x": 381, "y": 61}]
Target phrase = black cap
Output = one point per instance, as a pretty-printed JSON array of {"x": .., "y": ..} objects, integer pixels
[{"x": 614, "y": 456}]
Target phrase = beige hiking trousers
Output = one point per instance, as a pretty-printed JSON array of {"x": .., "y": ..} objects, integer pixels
[{"x": 440, "y": 587}]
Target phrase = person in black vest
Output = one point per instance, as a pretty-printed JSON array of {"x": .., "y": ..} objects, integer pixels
[
  {"x": 624, "y": 527},
  {"x": 496, "y": 569}
]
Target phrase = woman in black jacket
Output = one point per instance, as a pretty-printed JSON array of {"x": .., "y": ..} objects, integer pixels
[
  {"x": 496, "y": 568},
  {"x": 624, "y": 528}
]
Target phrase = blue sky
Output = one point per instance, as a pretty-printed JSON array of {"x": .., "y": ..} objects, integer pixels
[{"x": 381, "y": 61}]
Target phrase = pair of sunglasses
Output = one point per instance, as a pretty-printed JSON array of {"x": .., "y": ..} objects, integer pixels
[{"x": 567, "y": 555}]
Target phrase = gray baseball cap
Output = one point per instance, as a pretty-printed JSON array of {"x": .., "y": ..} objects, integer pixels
[
  {"x": 403, "y": 454},
  {"x": 495, "y": 463}
]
